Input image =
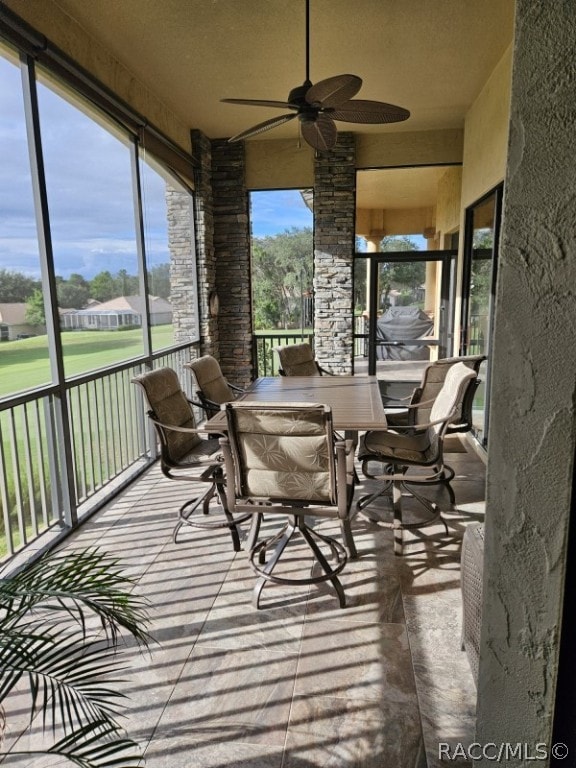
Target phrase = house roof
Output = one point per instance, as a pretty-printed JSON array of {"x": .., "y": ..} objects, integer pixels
[
  {"x": 130, "y": 304},
  {"x": 13, "y": 314}
]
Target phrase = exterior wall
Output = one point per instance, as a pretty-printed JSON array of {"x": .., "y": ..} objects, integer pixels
[
  {"x": 394, "y": 221},
  {"x": 334, "y": 208},
  {"x": 48, "y": 18},
  {"x": 448, "y": 202},
  {"x": 486, "y": 134},
  {"x": 279, "y": 164},
  {"x": 387, "y": 150},
  {"x": 533, "y": 419},
  {"x": 232, "y": 254},
  {"x": 485, "y": 153}
]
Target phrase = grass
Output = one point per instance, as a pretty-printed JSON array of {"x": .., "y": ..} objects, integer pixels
[{"x": 24, "y": 364}]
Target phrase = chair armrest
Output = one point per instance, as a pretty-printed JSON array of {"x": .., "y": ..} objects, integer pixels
[
  {"x": 423, "y": 427},
  {"x": 172, "y": 428}
]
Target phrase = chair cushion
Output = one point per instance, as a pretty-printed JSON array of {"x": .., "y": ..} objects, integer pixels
[
  {"x": 169, "y": 405},
  {"x": 298, "y": 360},
  {"x": 389, "y": 446},
  {"x": 284, "y": 455},
  {"x": 210, "y": 380}
]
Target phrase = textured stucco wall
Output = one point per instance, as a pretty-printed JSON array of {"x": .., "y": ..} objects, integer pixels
[
  {"x": 486, "y": 134},
  {"x": 278, "y": 164},
  {"x": 533, "y": 421},
  {"x": 449, "y": 201},
  {"x": 386, "y": 150}
]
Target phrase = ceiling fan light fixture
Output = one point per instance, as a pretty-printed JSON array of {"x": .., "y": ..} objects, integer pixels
[{"x": 318, "y": 105}]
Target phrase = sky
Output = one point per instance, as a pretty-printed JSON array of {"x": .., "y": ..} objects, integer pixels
[
  {"x": 273, "y": 212},
  {"x": 92, "y": 213}
]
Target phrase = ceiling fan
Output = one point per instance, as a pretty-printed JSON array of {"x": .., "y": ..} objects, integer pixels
[{"x": 318, "y": 106}]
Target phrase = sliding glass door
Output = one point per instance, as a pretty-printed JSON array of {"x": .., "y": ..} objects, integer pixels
[{"x": 479, "y": 286}]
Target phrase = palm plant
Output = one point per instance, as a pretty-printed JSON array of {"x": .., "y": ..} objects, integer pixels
[{"x": 61, "y": 621}]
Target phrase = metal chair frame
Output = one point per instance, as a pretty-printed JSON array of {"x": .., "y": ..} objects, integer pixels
[
  {"x": 265, "y": 555},
  {"x": 203, "y": 464}
]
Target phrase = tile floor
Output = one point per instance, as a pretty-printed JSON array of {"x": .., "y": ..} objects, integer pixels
[{"x": 301, "y": 683}]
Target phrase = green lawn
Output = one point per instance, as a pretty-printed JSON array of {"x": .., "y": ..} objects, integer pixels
[{"x": 24, "y": 364}]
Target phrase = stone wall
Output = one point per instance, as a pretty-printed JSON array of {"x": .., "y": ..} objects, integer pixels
[
  {"x": 205, "y": 256},
  {"x": 232, "y": 254},
  {"x": 334, "y": 210},
  {"x": 183, "y": 285}
]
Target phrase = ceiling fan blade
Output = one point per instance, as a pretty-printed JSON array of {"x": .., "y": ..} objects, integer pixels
[
  {"x": 260, "y": 103},
  {"x": 320, "y": 133},
  {"x": 334, "y": 90},
  {"x": 261, "y": 127},
  {"x": 364, "y": 111}
]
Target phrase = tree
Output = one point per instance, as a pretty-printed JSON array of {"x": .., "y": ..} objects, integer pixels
[
  {"x": 126, "y": 285},
  {"x": 35, "y": 314},
  {"x": 282, "y": 269},
  {"x": 48, "y": 640},
  {"x": 103, "y": 286},
  {"x": 15, "y": 287},
  {"x": 73, "y": 293},
  {"x": 159, "y": 281},
  {"x": 405, "y": 276}
]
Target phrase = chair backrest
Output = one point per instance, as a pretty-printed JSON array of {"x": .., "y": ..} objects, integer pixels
[
  {"x": 281, "y": 453},
  {"x": 298, "y": 360},
  {"x": 458, "y": 377},
  {"x": 432, "y": 381},
  {"x": 212, "y": 386},
  {"x": 168, "y": 404}
]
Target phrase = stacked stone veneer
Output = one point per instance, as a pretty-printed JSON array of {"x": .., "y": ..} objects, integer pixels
[
  {"x": 184, "y": 291},
  {"x": 232, "y": 253},
  {"x": 205, "y": 255},
  {"x": 334, "y": 211}
]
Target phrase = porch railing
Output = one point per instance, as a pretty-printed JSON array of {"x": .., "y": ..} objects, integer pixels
[{"x": 106, "y": 440}]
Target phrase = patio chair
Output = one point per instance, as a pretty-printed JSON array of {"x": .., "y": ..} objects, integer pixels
[
  {"x": 213, "y": 389},
  {"x": 184, "y": 454},
  {"x": 407, "y": 447},
  {"x": 418, "y": 406},
  {"x": 283, "y": 458},
  {"x": 299, "y": 360}
]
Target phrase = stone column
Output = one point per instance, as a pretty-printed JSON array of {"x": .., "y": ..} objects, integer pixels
[
  {"x": 183, "y": 286},
  {"x": 232, "y": 252},
  {"x": 533, "y": 397},
  {"x": 205, "y": 257},
  {"x": 334, "y": 212}
]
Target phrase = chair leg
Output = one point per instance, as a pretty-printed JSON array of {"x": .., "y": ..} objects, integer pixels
[
  {"x": 187, "y": 510},
  {"x": 254, "y": 531},
  {"x": 397, "y": 526},
  {"x": 279, "y": 542},
  {"x": 349, "y": 542},
  {"x": 336, "y": 583}
]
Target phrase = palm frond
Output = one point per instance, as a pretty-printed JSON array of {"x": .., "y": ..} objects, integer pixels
[
  {"x": 88, "y": 582},
  {"x": 97, "y": 745},
  {"x": 60, "y": 623},
  {"x": 68, "y": 683}
]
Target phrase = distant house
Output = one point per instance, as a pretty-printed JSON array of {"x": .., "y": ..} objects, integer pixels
[
  {"x": 113, "y": 315},
  {"x": 13, "y": 323}
]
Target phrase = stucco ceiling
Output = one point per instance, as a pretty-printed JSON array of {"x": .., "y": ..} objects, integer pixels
[{"x": 429, "y": 56}]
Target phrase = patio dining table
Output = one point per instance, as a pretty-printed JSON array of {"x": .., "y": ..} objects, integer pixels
[{"x": 355, "y": 401}]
